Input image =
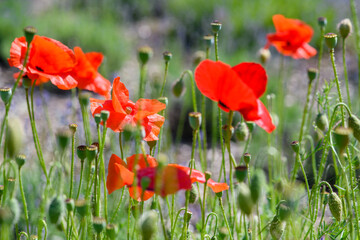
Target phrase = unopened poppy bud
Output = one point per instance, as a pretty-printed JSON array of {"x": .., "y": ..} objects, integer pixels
[
  {"x": 354, "y": 124},
  {"x": 251, "y": 126},
  {"x": 163, "y": 100},
  {"x": 73, "y": 128},
  {"x": 216, "y": 26},
  {"x": 242, "y": 132},
  {"x": 209, "y": 40},
  {"x": 241, "y": 173},
  {"x": 227, "y": 132},
  {"x": 257, "y": 185},
  {"x": 149, "y": 224},
  {"x": 277, "y": 228},
  {"x": 295, "y": 146},
  {"x": 97, "y": 118},
  {"x": 26, "y": 82},
  {"x": 99, "y": 224},
  {"x": 214, "y": 238},
  {"x": 29, "y": 33},
  {"x": 167, "y": 56},
  {"x": 264, "y": 55},
  {"x": 81, "y": 152},
  {"x": 345, "y": 28},
  {"x": 104, "y": 115},
  {"x": 244, "y": 199},
  {"x": 5, "y": 94},
  {"x": 56, "y": 210},
  {"x": 84, "y": 99},
  {"x": 312, "y": 74},
  {"x": 322, "y": 21},
  {"x": 111, "y": 231},
  {"x": 15, "y": 210},
  {"x": 63, "y": 138},
  {"x": 247, "y": 158},
  {"x": 195, "y": 120},
  {"x": 14, "y": 136},
  {"x": 20, "y": 160},
  {"x": 91, "y": 152},
  {"x": 81, "y": 207},
  {"x": 335, "y": 206},
  {"x": 331, "y": 40},
  {"x": 178, "y": 87},
  {"x": 284, "y": 212},
  {"x": 207, "y": 175},
  {"x": 70, "y": 204},
  {"x": 342, "y": 137},
  {"x": 223, "y": 232},
  {"x": 198, "y": 57},
  {"x": 144, "y": 54},
  {"x": 322, "y": 121},
  {"x": 194, "y": 195},
  {"x": 145, "y": 182},
  {"x": 187, "y": 217},
  {"x": 5, "y": 216}
]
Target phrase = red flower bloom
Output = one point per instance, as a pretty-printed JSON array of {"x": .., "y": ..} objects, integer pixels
[
  {"x": 165, "y": 181},
  {"x": 124, "y": 112},
  {"x": 86, "y": 74},
  {"x": 236, "y": 88},
  {"x": 291, "y": 38},
  {"x": 48, "y": 58}
]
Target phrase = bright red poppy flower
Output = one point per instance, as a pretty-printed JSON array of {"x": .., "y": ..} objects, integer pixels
[
  {"x": 48, "y": 58},
  {"x": 236, "y": 88},
  {"x": 291, "y": 38},
  {"x": 125, "y": 112},
  {"x": 197, "y": 176},
  {"x": 86, "y": 74}
]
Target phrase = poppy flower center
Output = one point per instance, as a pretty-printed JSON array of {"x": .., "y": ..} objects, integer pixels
[{"x": 128, "y": 110}]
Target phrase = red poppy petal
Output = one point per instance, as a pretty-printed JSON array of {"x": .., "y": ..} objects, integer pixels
[
  {"x": 305, "y": 51},
  {"x": 152, "y": 125},
  {"x": 114, "y": 181},
  {"x": 95, "y": 59},
  {"x": 120, "y": 95},
  {"x": 115, "y": 119},
  {"x": 17, "y": 52},
  {"x": 253, "y": 75},
  {"x": 173, "y": 180},
  {"x": 64, "y": 82},
  {"x": 265, "y": 120},
  {"x": 141, "y": 161},
  {"x": 146, "y": 107},
  {"x": 301, "y": 29},
  {"x": 139, "y": 195},
  {"x": 217, "y": 187}
]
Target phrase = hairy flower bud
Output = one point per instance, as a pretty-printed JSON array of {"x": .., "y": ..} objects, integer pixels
[
  {"x": 194, "y": 195},
  {"x": 56, "y": 210},
  {"x": 277, "y": 228},
  {"x": 178, "y": 87},
  {"x": 322, "y": 122},
  {"x": 148, "y": 224},
  {"x": 354, "y": 124},
  {"x": 257, "y": 185},
  {"x": 14, "y": 137},
  {"x": 242, "y": 132},
  {"x": 244, "y": 199},
  {"x": 335, "y": 206}
]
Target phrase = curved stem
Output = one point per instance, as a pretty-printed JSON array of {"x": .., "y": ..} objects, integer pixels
[{"x": 24, "y": 202}]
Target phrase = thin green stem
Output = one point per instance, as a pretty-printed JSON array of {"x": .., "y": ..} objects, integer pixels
[
  {"x": 165, "y": 75},
  {"x": 81, "y": 178},
  {"x": 346, "y": 73},
  {"x": 357, "y": 37},
  {"x": 24, "y": 202},
  {"x": 118, "y": 206},
  {"x": 224, "y": 216},
  {"x": 121, "y": 146},
  {"x": 142, "y": 80},
  {"x": 72, "y": 165},
  {"x": 102, "y": 170},
  {"x": 161, "y": 217},
  {"x": 216, "y": 41},
  {"x": 203, "y": 227}
]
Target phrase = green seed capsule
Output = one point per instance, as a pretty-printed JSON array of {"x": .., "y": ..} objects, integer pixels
[
  {"x": 99, "y": 224},
  {"x": 345, "y": 28},
  {"x": 209, "y": 40},
  {"x": 148, "y": 224},
  {"x": 241, "y": 173},
  {"x": 81, "y": 152},
  {"x": 277, "y": 228},
  {"x": 20, "y": 160},
  {"x": 167, "y": 56},
  {"x": 284, "y": 212},
  {"x": 195, "y": 120},
  {"x": 70, "y": 204},
  {"x": 5, "y": 94},
  {"x": 85, "y": 99},
  {"x": 81, "y": 207},
  {"x": 91, "y": 152},
  {"x": 216, "y": 26},
  {"x": 322, "y": 122},
  {"x": 111, "y": 231},
  {"x": 63, "y": 137},
  {"x": 331, "y": 40},
  {"x": 144, "y": 54},
  {"x": 104, "y": 114},
  {"x": 257, "y": 184},
  {"x": 335, "y": 206},
  {"x": 244, "y": 199},
  {"x": 97, "y": 118},
  {"x": 312, "y": 74},
  {"x": 322, "y": 21},
  {"x": 29, "y": 33},
  {"x": 56, "y": 210}
]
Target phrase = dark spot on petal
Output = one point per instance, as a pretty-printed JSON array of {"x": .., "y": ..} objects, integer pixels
[
  {"x": 39, "y": 69},
  {"x": 223, "y": 105}
]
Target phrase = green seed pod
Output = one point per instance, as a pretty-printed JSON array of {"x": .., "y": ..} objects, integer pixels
[
  {"x": 29, "y": 33},
  {"x": 81, "y": 207},
  {"x": 322, "y": 21},
  {"x": 97, "y": 118},
  {"x": 209, "y": 40},
  {"x": 73, "y": 127},
  {"x": 26, "y": 82},
  {"x": 145, "y": 182},
  {"x": 264, "y": 55},
  {"x": 5, "y": 94},
  {"x": 241, "y": 173},
  {"x": 223, "y": 232},
  {"x": 247, "y": 158},
  {"x": 144, "y": 54},
  {"x": 20, "y": 160},
  {"x": 354, "y": 124},
  {"x": 81, "y": 152},
  {"x": 216, "y": 26},
  {"x": 70, "y": 204},
  {"x": 15, "y": 210},
  {"x": 167, "y": 56},
  {"x": 251, "y": 126},
  {"x": 244, "y": 198},
  {"x": 56, "y": 210},
  {"x": 335, "y": 206},
  {"x": 148, "y": 223},
  {"x": 330, "y": 40},
  {"x": 195, "y": 120},
  {"x": 85, "y": 99},
  {"x": 91, "y": 152},
  {"x": 295, "y": 146},
  {"x": 187, "y": 217},
  {"x": 277, "y": 228},
  {"x": 312, "y": 74},
  {"x": 227, "y": 132},
  {"x": 257, "y": 185},
  {"x": 284, "y": 212},
  {"x": 345, "y": 28},
  {"x": 63, "y": 137},
  {"x": 242, "y": 132},
  {"x": 207, "y": 175},
  {"x": 14, "y": 137},
  {"x": 198, "y": 56},
  {"x": 111, "y": 231},
  {"x": 99, "y": 224},
  {"x": 194, "y": 195},
  {"x": 342, "y": 137},
  {"x": 104, "y": 114},
  {"x": 178, "y": 87},
  {"x": 322, "y": 122}
]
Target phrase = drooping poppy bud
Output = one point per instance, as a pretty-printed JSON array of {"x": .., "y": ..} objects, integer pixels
[
  {"x": 178, "y": 87},
  {"x": 277, "y": 228},
  {"x": 56, "y": 210},
  {"x": 14, "y": 137},
  {"x": 257, "y": 185},
  {"x": 331, "y": 40},
  {"x": 99, "y": 224},
  {"x": 5, "y": 94},
  {"x": 242, "y": 132},
  {"x": 345, "y": 28},
  {"x": 342, "y": 137},
  {"x": 149, "y": 224},
  {"x": 322, "y": 122},
  {"x": 354, "y": 124},
  {"x": 144, "y": 54},
  {"x": 335, "y": 206}
]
